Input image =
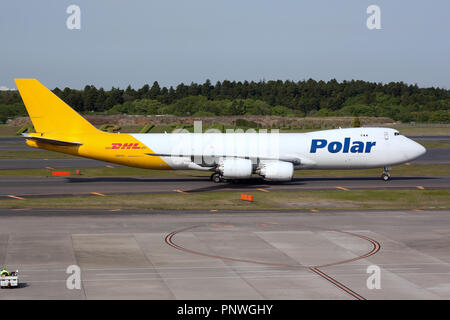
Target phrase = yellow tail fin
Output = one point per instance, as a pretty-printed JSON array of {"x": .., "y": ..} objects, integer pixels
[{"x": 49, "y": 114}]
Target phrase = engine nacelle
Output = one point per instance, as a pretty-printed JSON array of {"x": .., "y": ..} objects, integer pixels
[
  {"x": 277, "y": 171},
  {"x": 235, "y": 168}
]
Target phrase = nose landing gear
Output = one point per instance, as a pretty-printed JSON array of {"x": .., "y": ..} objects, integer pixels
[
  {"x": 216, "y": 177},
  {"x": 386, "y": 175}
]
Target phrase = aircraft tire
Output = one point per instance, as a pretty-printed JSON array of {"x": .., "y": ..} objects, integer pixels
[{"x": 216, "y": 178}]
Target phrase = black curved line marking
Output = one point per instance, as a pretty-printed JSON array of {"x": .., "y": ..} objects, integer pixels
[{"x": 376, "y": 247}]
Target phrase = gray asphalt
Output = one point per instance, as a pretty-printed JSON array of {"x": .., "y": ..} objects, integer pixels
[
  {"x": 220, "y": 255},
  {"x": 434, "y": 156},
  {"x": 239, "y": 255},
  {"x": 61, "y": 186}
]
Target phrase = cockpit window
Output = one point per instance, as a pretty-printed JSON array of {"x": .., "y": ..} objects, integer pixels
[{"x": 396, "y": 133}]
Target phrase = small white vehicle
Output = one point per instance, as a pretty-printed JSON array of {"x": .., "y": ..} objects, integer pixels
[{"x": 10, "y": 281}]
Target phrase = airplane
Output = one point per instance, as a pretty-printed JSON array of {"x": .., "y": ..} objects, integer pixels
[{"x": 228, "y": 156}]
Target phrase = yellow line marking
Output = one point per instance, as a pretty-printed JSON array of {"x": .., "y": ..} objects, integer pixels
[
  {"x": 15, "y": 197},
  {"x": 179, "y": 191},
  {"x": 342, "y": 188},
  {"x": 98, "y": 194},
  {"x": 263, "y": 190},
  {"x": 420, "y": 187},
  {"x": 265, "y": 225},
  {"x": 268, "y": 224}
]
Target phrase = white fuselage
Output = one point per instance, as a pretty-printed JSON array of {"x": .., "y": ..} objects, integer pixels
[{"x": 351, "y": 148}]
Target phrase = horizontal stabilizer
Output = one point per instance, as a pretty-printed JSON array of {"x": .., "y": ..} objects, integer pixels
[{"x": 54, "y": 142}]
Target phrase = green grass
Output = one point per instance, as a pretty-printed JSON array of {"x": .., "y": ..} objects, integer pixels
[
  {"x": 403, "y": 170},
  {"x": 8, "y": 131},
  {"x": 435, "y": 144},
  {"x": 130, "y": 129},
  {"x": 275, "y": 200},
  {"x": 24, "y": 154},
  {"x": 423, "y": 130}
]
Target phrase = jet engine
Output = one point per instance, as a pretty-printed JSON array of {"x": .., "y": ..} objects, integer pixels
[
  {"x": 235, "y": 168},
  {"x": 276, "y": 170}
]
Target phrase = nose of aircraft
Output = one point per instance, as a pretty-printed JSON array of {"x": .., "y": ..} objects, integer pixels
[{"x": 416, "y": 150}]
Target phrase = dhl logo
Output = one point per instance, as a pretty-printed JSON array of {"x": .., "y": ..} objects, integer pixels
[{"x": 125, "y": 146}]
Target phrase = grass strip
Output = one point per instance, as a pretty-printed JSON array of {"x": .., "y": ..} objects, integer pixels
[{"x": 275, "y": 200}]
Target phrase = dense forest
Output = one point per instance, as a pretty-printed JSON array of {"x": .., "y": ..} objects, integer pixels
[{"x": 396, "y": 100}]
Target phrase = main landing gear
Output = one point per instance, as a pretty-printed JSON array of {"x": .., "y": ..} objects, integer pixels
[
  {"x": 385, "y": 175},
  {"x": 217, "y": 178}
]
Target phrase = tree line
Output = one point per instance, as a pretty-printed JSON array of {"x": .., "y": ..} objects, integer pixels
[{"x": 396, "y": 100}]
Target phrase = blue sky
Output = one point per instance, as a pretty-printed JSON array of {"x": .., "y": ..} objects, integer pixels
[{"x": 172, "y": 41}]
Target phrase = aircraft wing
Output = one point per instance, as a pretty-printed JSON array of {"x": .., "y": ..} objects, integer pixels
[{"x": 293, "y": 159}]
